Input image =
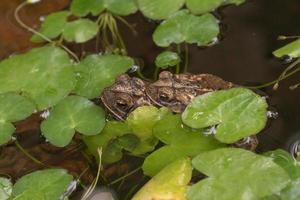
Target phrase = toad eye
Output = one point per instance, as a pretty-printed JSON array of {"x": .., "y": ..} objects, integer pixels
[
  {"x": 121, "y": 103},
  {"x": 164, "y": 97},
  {"x": 165, "y": 94}
]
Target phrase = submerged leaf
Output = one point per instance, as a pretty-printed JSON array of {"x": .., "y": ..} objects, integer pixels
[
  {"x": 49, "y": 184},
  {"x": 292, "y": 49},
  {"x": 53, "y": 26},
  {"x": 237, "y": 113},
  {"x": 80, "y": 31},
  {"x": 5, "y": 188},
  {"x": 200, "y": 7},
  {"x": 159, "y": 9},
  {"x": 167, "y": 59},
  {"x": 45, "y": 75},
  {"x": 72, "y": 114},
  {"x": 185, "y": 27},
  {"x": 13, "y": 108},
  {"x": 236, "y": 174},
  {"x": 181, "y": 142},
  {"x": 97, "y": 72},
  {"x": 169, "y": 183}
]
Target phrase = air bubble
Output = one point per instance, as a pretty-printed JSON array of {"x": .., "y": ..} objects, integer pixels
[
  {"x": 294, "y": 149},
  {"x": 272, "y": 114},
  {"x": 287, "y": 59},
  {"x": 45, "y": 114},
  {"x": 133, "y": 69},
  {"x": 210, "y": 131},
  {"x": 42, "y": 18}
]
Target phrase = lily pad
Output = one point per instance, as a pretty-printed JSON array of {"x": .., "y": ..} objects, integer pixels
[
  {"x": 167, "y": 59},
  {"x": 292, "y": 49},
  {"x": 80, "y": 31},
  {"x": 237, "y": 113},
  {"x": 5, "y": 188},
  {"x": 236, "y": 174},
  {"x": 49, "y": 184},
  {"x": 181, "y": 142},
  {"x": 200, "y": 7},
  {"x": 169, "y": 183},
  {"x": 44, "y": 75},
  {"x": 185, "y": 27},
  {"x": 159, "y": 9},
  {"x": 97, "y": 72},
  {"x": 53, "y": 26},
  {"x": 118, "y": 7},
  {"x": 13, "y": 108},
  {"x": 72, "y": 114}
]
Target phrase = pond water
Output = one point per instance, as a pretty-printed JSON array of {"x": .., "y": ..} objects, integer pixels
[{"x": 243, "y": 56}]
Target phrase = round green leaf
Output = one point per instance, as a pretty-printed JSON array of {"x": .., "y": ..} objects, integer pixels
[
  {"x": 169, "y": 183},
  {"x": 236, "y": 174},
  {"x": 72, "y": 114},
  {"x": 121, "y": 7},
  {"x": 13, "y": 108},
  {"x": 184, "y": 27},
  {"x": 199, "y": 7},
  {"x": 292, "y": 49},
  {"x": 159, "y": 9},
  {"x": 181, "y": 142},
  {"x": 237, "y": 113},
  {"x": 83, "y": 7},
  {"x": 5, "y": 188},
  {"x": 97, "y": 72},
  {"x": 53, "y": 26},
  {"x": 80, "y": 31},
  {"x": 167, "y": 59},
  {"x": 43, "y": 74},
  {"x": 49, "y": 184}
]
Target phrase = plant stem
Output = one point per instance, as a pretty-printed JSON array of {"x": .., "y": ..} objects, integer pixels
[
  {"x": 178, "y": 64},
  {"x": 22, "y": 24},
  {"x": 125, "y": 176},
  {"x": 28, "y": 154},
  {"x": 186, "y": 58},
  {"x": 156, "y": 73}
]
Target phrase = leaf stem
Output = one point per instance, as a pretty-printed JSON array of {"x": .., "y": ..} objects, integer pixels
[
  {"x": 28, "y": 154},
  {"x": 125, "y": 176},
  {"x": 186, "y": 59}
]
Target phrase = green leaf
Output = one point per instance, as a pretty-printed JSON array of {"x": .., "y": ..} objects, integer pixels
[
  {"x": 292, "y": 192},
  {"x": 118, "y": 7},
  {"x": 5, "y": 188},
  {"x": 159, "y": 9},
  {"x": 181, "y": 142},
  {"x": 49, "y": 184},
  {"x": 237, "y": 113},
  {"x": 200, "y": 7},
  {"x": 83, "y": 7},
  {"x": 72, "y": 114},
  {"x": 184, "y": 27},
  {"x": 13, "y": 108},
  {"x": 169, "y": 183},
  {"x": 45, "y": 75},
  {"x": 80, "y": 31},
  {"x": 236, "y": 174},
  {"x": 167, "y": 59},
  {"x": 53, "y": 26},
  {"x": 292, "y": 49},
  {"x": 286, "y": 161},
  {"x": 97, "y": 72}
]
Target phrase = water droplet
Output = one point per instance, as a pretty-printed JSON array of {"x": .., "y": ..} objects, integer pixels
[
  {"x": 45, "y": 114},
  {"x": 42, "y": 18},
  {"x": 272, "y": 114}
]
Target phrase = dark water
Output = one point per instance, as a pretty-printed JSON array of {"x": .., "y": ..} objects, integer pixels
[{"x": 243, "y": 55}]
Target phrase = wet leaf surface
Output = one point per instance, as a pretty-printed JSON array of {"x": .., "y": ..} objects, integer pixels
[
  {"x": 84, "y": 7},
  {"x": 167, "y": 59},
  {"x": 47, "y": 184},
  {"x": 44, "y": 75},
  {"x": 97, "y": 72},
  {"x": 72, "y": 114},
  {"x": 159, "y": 9},
  {"x": 180, "y": 141},
  {"x": 13, "y": 108},
  {"x": 169, "y": 183},
  {"x": 5, "y": 188},
  {"x": 236, "y": 174},
  {"x": 292, "y": 49},
  {"x": 185, "y": 27},
  {"x": 236, "y": 113}
]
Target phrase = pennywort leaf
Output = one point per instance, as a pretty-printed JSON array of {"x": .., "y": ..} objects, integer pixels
[
  {"x": 13, "y": 108},
  {"x": 185, "y": 27},
  {"x": 256, "y": 176},
  {"x": 169, "y": 183},
  {"x": 97, "y": 72},
  {"x": 236, "y": 113},
  {"x": 167, "y": 59},
  {"x": 5, "y": 188},
  {"x": 159, "y": 9},
  {"x": 72, "y": 114},
  {"x": 44, "y": 75},
  {"x": 49, "y": 184},
  {"x": 292, "y": 49}
]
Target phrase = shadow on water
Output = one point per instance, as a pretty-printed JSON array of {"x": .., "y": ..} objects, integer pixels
[{"x": 242, "y": 56}]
